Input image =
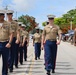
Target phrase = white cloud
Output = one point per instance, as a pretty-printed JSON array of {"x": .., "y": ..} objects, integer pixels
[
  {"x": 1, "y": 1},
  {"x": 1, "y": 4},
  {"x": 22, "y": 5}
]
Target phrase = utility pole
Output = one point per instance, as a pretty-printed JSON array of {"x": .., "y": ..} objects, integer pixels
[
  {"x": 16, "y": 14},
  {"x": 71, "y": 25},
  {"x": 6, "y": 8},
  {"x": 75, "y": 7},
  {"x": 75, "y": 10}
]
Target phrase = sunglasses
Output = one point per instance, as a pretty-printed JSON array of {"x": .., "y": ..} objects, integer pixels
[
  {"x": 1, "y": 14},
  {"x": 9, "y": 13}
]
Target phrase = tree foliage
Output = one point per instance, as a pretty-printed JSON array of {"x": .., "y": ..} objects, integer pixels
[
  {"x": 29, "y": 22},
  {"x": 64, "y": 21},
  {"x": 44, "y": 23}
]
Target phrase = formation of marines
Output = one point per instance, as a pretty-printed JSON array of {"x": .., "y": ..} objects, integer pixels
[{"x": 14, "y": 40}]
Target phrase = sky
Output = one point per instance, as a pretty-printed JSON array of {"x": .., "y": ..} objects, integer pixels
[{"x": 39, "y": 8}]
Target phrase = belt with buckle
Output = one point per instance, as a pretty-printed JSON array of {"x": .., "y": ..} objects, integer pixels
[{"x": 52, "y": 39}]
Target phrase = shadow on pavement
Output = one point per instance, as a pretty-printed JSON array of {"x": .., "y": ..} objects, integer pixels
[
  {"x": 29, "y": 67},
  {"x": 63, "y": 62},
  {"x": 64, "y": 65},
  {"x": 62, "y": 73},
  {"x": 32, "y": 64},
  {"x": 64, "y": 68},
  {"x": 36, "y": 72}
]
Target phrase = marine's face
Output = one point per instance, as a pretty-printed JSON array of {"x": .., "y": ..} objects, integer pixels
[
  {"x": 9, "y": 16},
  {"x": 51, "y": 20},
  {"x": 23, "y": 28},
  {"x": 2, "y": 16},
  {"x": 37, "y": 30}
]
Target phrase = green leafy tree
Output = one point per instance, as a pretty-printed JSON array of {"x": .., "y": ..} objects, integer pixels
[
  {"x": 29, "y": 21},
  {"x": 44, "y": 23}
]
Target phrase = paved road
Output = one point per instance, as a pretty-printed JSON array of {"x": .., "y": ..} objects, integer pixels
[{"x": 65, "y": 65}]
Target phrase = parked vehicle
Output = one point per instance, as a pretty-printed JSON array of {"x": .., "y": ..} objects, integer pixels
[{"x": 68, "y": 36}]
